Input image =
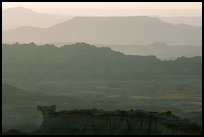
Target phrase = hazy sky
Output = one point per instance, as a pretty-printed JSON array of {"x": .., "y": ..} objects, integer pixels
[{"x": 113, "y": 8}]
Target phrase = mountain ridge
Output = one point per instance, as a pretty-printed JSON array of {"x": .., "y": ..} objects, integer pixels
[
  {"x": 28, "y": 17},
  {"x": 89, "y": 62},
  {"x": 128, "y": 30}
]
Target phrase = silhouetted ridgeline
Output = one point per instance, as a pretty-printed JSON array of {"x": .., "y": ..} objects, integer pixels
[
  {"x": 110, "y": 30},
  {"x": 84, "y": 61},
  {"x": 26, "y": 17},
  {"x": 161, "y": 50}
]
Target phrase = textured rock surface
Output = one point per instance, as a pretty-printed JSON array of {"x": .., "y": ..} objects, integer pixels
[{"x": 100, "y": 122}]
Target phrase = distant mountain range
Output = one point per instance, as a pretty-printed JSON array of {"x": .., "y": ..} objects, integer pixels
[
  {"x": 20, "y": 17},
  {"x": 110, "y": 30},
  {"x": 84, "y": 61},
  {"x": 194, "y": 21},
  {"x": 159, "y": 49}
]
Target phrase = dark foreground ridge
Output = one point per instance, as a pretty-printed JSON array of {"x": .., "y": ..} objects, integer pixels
[{"x": 82, "y": 61}]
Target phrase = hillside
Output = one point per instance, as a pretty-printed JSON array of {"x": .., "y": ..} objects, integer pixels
[
  {"x": 110, "y": 30},
  {"x": 159, "y": 49},
  {"x": 84, "y": 76},
  {"x": 13, "y": 18},
  {"x": 84, "y": 61},
  {"x": 194, "y": 21}
]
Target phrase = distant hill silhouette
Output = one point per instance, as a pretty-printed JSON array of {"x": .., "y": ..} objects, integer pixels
[
  {"x": 159, "y": 49},
  {"x": 16, "y": 93},
  {"x": 19, "y": 17},
  {"x": 110, "y": 30},
  {"x": 12, "y": 89},
  {"x": 84, "y": 61},
  {"x": 194, "y": 21}
]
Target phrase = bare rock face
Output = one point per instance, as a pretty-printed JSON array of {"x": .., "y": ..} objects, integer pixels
[{"x": 119, "y": 122}]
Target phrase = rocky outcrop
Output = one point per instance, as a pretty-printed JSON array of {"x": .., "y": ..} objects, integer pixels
[{"x": 118, "y": 122}]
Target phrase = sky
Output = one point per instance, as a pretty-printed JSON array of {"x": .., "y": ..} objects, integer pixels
[{"x": 112, "y": 8}]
